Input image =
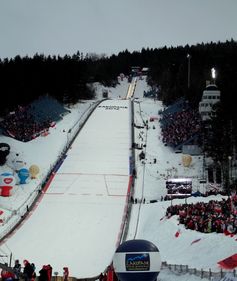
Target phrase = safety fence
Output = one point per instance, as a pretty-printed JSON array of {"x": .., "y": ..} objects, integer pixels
[
  {"x": 131, "y": 181},
  {"x": 208, "y": 274}
]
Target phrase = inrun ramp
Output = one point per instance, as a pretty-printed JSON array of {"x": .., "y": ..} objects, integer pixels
[{"x": 77, "y": 222}]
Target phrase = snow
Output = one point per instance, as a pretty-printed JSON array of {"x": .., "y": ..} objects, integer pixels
[{"x": 77, "y": 219}]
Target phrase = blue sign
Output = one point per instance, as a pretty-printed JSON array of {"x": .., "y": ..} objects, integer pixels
[{"x": 137, "y": 262}]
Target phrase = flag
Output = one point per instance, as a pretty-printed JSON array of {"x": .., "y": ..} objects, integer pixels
[
  {"x": 195, "y": 241},
  {"x": 177, "y": 233},
  {"x": 229, "y": 263}
]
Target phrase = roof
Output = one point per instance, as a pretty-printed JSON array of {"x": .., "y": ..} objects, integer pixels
[{"x": 211, "y": 87}]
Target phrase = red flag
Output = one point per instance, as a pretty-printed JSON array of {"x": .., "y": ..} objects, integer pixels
[
  {"x": 229, "y": 263},
  {"x": 177, "y": 233}
]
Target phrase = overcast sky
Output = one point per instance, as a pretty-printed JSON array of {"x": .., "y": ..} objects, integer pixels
[{"x": 110, "y": 26}]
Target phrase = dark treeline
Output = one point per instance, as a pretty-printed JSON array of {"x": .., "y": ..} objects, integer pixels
[{"x": 23, "y": 79}]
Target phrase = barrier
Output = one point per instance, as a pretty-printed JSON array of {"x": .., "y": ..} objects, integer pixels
[
  {"x": 209, "y": 274},
  {"x": 125, "y": 212}
]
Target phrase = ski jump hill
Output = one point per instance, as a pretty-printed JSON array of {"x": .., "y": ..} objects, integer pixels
[{"x": 82, "y": 211}]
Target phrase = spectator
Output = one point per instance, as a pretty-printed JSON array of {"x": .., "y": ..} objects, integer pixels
[
  {"x": 101, "y": 277},
  {"x": 17, "y": 269},
  {"x": 65, "y": 274},
  {"x": 7, "y": 275},
  {"x": 28, "y": 271},
  {"x": 33, "y": 273},
  {"x": 49, "y": 272},
  {"x": 43, "y": 273}
]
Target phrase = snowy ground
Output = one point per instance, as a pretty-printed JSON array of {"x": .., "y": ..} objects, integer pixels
[{"x": 63, "y": 200}]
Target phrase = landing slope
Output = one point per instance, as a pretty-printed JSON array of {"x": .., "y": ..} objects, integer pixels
[{"x": 80, "y": 213}]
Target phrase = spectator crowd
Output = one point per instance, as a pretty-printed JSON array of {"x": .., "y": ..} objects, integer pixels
[
  {"x": 27, "y": 272},
  {"x": 21, "y": 125},
  {"x": 28, "y": 122},
  {"x": 180, "y": 126},
  {"x": 214, "y": 216}
]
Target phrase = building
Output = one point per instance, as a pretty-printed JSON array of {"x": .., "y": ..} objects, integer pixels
[
  {"x": 145, "y": 70},
  {"x": 210, "y": 96}
]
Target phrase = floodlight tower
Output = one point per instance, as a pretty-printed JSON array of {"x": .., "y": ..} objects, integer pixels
[
  {"x": 189, "y": 58},
  {"x": 213, "y": 75}
]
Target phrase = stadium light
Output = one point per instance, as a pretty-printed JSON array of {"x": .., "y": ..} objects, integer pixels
[
  {"x": 189, "y": 58},
  {"x": 229, "y": 174},
  {"x": 213, "y": 74}
]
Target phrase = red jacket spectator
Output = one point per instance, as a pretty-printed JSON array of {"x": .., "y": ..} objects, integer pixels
[{"x": 65, "y": 273}]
